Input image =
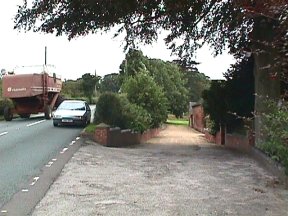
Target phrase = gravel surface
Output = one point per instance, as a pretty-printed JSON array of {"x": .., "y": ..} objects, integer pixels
[{"x": 177, "y": 173}]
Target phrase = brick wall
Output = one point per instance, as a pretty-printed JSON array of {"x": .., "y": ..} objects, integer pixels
[
  {"x": 197, "y": 118},
  {"x": 101, "y": 134},
  {"x": 115, "y": 137},
  {"x": 218, "y": 138},
  {"x": 209, "y": 137},
  {"x": 240, "y": 142}
]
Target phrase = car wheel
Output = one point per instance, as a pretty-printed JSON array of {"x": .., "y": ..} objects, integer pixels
[
  {"x": 8, "y": 115},
  {"x": 55, "y": 124}
]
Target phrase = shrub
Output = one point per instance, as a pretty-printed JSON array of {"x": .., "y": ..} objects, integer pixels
[
  {"x": 275, "y": 130},
  {"x": 230, "y": 102},
  {"x": 134, "y": 116},
  {"x": 109, "y": 110},
  {"x": 143, "y": 91},
  {"x": 116, "y": 110}
]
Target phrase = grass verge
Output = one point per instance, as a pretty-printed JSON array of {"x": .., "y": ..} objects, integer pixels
[
  {"x": 177, "y": 122},
  {"x": 90, "y": 128}
]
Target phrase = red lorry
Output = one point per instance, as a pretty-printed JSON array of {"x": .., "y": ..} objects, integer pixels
[{"x": 31, "y": 93}]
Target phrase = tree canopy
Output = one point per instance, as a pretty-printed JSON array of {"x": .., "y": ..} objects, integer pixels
[
  {"x": 142, "y": 90},
  {"x": 167, "y": 75},
  {"x": 110, "y": 83},
  {"x": 89, "y": 85},
  {"x": 229, "y": 102},
  {"x": 217, "y": 22}
]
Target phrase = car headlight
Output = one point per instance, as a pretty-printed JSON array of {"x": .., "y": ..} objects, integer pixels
[{"x": 78, "y": 117}]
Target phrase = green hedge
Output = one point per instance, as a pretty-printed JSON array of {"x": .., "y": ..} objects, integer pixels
[
  {"x": 275, "y": 129},
  {"x": 116, "y": 110}
]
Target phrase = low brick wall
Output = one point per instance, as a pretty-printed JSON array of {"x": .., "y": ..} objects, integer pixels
[
  {"x": 240, "y": 142},
  {"x": 209, "y": 137},
  {"x": 115, "y": 137},
  {"x": 214, "y": 139}
]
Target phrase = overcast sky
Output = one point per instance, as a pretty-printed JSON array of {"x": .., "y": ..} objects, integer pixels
[{"x": 82, "y": 55}]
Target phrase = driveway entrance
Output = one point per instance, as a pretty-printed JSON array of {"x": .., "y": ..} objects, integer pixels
[{"x": 176, "y": 173}]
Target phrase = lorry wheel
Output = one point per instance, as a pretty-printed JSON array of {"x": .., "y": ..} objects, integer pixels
[
  {"x": 47, "y": 112},
  {"x": 8, "y": 115},
  {"x": 25, "y": 115}
]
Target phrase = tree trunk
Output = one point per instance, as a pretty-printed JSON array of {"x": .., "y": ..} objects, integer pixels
[{"x": 266, "y": 74}]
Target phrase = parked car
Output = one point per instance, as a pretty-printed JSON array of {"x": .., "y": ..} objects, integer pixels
[{"x": 72, "y": 112}]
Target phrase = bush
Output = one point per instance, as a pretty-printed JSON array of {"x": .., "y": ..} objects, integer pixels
[
  {"x": 4, "y": 103},
  {"x": 109, "y": 110},
  {"x": 231, "y": 102},
  {"x": 143, "y": 91},
  {"x": 275, "y": 130},
  {"x": 134, "y": 116},
  {"x": 116, "y": 110}
]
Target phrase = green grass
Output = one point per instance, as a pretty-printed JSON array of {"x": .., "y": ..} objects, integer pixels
[
  {"x": 177, "y": 122},
  {"x": 90, "y": 128}
]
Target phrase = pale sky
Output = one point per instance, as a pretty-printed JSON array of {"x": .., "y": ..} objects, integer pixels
[{"x": 83, "y": 55}]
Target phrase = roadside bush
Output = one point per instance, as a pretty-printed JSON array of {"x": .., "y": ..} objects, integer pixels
[
  {"x": 109, "y": 110},
  {"x": 116, "y": 110},
  {"x": 3, "y": 103},
  {"x": 275, "y": 130},
  {"x": 134, "y": 116},
  {"x": 142, "y": 90}
]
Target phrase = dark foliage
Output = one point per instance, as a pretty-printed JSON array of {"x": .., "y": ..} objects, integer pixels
[
  {"x": 109, "y": 110},
  {"x": 143, "y": 91},
  {"x": 230, "y": 102},
  {"x": 110, "y": 83},
  {"x": 116, "y": 110}
]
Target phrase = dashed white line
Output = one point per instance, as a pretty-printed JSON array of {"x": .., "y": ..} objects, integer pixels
[
  {"x": 54, "y": 159},
  {"x": 4, "y": 211},
  {"x": 72, "y": 143},
  {"x": 3, "y": 134},
  {"x": 35, "y": 123},
  {"x": 77, "y": 138},
  {"x": 34, "y": 181},
  {"x": 63, "y": 151},
  {"x": 49, "y": 164},
  {"x": 25, "y": 190}
]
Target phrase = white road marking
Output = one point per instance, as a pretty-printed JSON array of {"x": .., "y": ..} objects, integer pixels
[
  {"x": 4, "y": 133},
  {"x": 49, "y": 164},
  {"x": 77, "y": 138},
  {"x": 4, "y": 211},
  {"x": 25, "y": 190},
  {"x": 54, "y": 159},
  {"x": 34, "y": 181},
  {"x": 35, "y": 123},
  {"x": 63, "y": 151},
  {"x": 72, "y": 143}
]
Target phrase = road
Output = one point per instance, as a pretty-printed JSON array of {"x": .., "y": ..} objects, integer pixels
[{"x": 26, "y": 146}]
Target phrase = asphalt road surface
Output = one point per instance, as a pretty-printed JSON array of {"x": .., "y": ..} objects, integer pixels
[{"x": 26, "y": 146}]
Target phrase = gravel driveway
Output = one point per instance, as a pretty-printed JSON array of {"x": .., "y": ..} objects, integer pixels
[{"x": 177, "y": 173}]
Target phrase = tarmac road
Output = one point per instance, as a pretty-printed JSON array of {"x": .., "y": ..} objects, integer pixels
[
  {"x": 176, "y": 173},
  {"x": 26, "y": 145}
]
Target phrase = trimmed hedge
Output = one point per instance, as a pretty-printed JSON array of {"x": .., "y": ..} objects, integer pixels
[{"x": 116, "y": 110}]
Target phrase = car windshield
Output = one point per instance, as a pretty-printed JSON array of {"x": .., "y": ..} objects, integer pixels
[{"x": 72, "y": 106}]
